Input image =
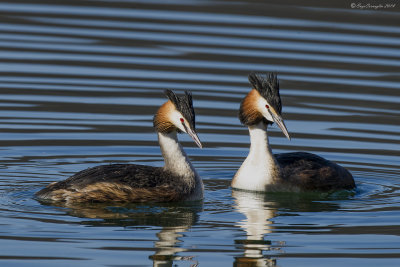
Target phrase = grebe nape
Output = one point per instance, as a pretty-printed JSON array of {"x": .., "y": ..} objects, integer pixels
[
  {"x": 176, "y": 181},
  {"x": 263, "y": 171}
]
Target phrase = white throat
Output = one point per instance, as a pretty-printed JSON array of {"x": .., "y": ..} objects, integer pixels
[
  {"x": 177, "y": 162},
  {"x": 260, "y": 168}
]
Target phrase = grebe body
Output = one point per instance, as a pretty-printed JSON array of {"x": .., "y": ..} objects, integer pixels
[
  {"x": 176, "y": 181},
  {"x": 264, "y": 171}
]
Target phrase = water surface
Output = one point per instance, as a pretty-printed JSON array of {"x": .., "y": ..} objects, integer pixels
[{"x": 81, "y": 80}]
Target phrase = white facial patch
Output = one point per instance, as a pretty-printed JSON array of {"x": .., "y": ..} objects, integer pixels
[
  {"x": 175, "y": 117},
  {"x": 262, "y": 105}
]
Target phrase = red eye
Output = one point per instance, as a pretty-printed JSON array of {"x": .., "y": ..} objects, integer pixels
[
  {"x": 182, "y": 120},
  {"x": 266, "y": 106}
]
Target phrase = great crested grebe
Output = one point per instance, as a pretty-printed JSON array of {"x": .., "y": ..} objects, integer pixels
[
  {"x": 176, "y": 181},
  {"x": 296, "y": 171}
]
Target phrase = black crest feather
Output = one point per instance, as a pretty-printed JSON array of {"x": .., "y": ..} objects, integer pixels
[
  {"x": 184, "y": 104},
  {"x": 268, "y": 87}
]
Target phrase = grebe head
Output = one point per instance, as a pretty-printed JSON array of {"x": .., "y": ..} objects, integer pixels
[
  {"x": 263, "y": 102},
  {"x": 177, "y": 114}
]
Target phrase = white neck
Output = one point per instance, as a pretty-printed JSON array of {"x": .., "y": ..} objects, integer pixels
[
  {"x": 177, "y": 162},
  {"x": 260, "y": 168}
]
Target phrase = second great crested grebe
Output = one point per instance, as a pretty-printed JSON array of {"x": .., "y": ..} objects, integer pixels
[
  {"x": 176, "y": 181},
  {"x": 264, "y": 171}
]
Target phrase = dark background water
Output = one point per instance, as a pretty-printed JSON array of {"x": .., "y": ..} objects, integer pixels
[{"x": 81, "y": 80}]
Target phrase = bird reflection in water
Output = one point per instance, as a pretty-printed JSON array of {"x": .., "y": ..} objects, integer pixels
[
  {"x": 257, "y": 224},
  {"x": 168, "y": 247},
  {"x": 174, "y": 221}
]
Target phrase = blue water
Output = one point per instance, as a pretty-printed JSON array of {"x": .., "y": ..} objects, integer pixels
[{"x": 80, "y": 82}]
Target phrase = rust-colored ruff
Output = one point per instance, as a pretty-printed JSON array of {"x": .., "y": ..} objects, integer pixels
[
  {"x": 162, "y": 121},
  {"x": 248, "y": 113}
]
